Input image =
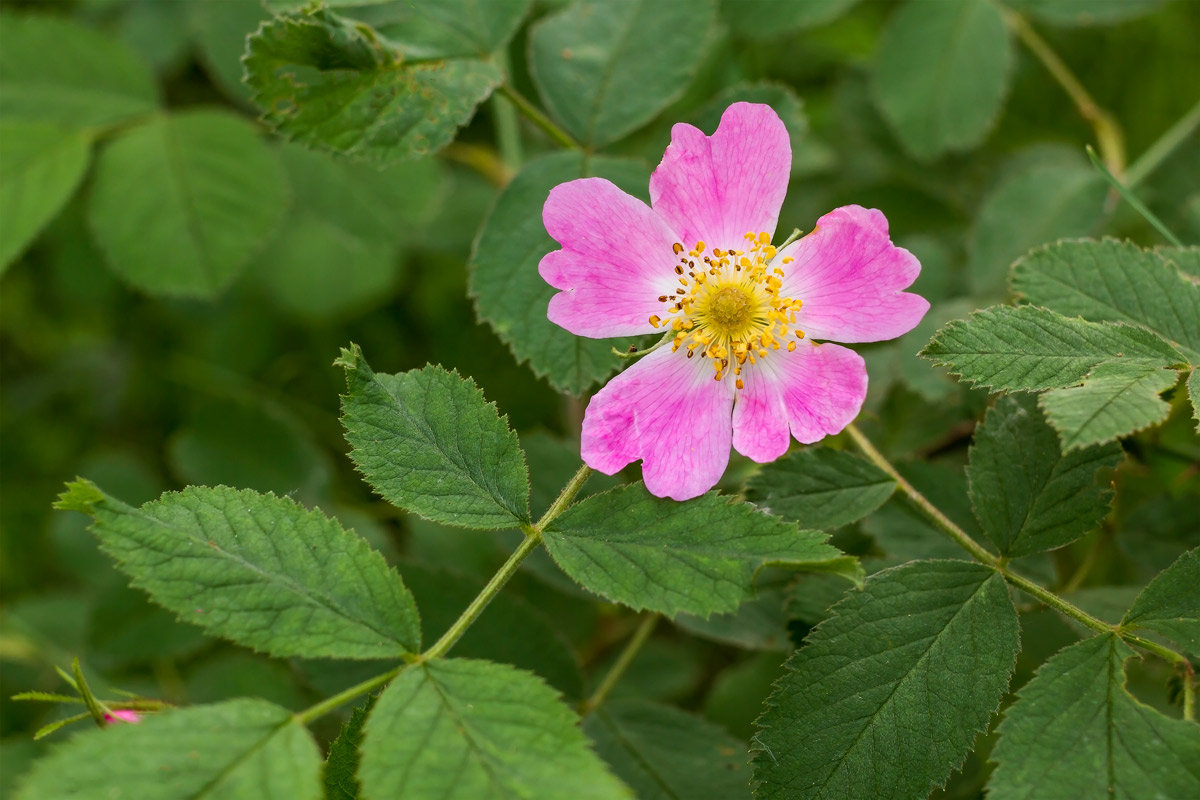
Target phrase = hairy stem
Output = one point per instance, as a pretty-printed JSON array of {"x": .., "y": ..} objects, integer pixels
[
  {"x": 346, "y": 695},
  {"x": 640, "y": 636},
  {"x": 534, "y": 115}
]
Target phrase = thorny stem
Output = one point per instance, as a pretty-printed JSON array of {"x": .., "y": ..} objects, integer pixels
[
  {"x": 1108, "y": 133},
  {"x": 534, "y": 115},
  {"x": 999, "y": 564},
  {"x": 640, "y": 636}
]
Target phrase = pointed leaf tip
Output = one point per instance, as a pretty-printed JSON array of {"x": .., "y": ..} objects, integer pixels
[{"x": 79, "y": 495}]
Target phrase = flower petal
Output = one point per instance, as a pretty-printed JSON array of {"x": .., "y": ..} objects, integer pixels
[
  {"x": 718, "y": 188},
  {"x": 815, "y": 391},
  {"x": 669, "y": 412},
  {"x": 849, "y": 276},
  {"x": 615, "y": 261}
]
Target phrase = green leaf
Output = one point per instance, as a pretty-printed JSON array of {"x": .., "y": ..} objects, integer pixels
[
  {"x": 667, "y": 754},
  {"x": 1086, "y": 12},
  {"x": 180, "y": 204},
  {"x": 1115, "y": 400},
  {"x": 101, "y": 82},
  {"x": 761, "y": 19},
  {"x": 1193, "y": 387},
  {"x": 1038, "y": 204},
  {"x": 428, "y": 442},
  {"x": 941, "y": 73},
  {"x": 335, "y": 84},
  {"x": 698, "y": 557},
  {"x": 1028, "y": 495},
  {"x": 820, "y": 488},
  {"x": 257, "y": 569},
  {"x": 1075, "y": 731},
  {"x": 237, "y": 750},
  {"x": 509, "y": 293},
  {"x": 606, "y": 68},
  {"x": 219, "y": 31},
  {"x": 1114, "y": 281},
  {"x": 1030, "y": 349},
  {"x": 41, "y": 165},
  {"x": 1170, "y": 604},
  {"x": 457, "y": 728},
  {"x": 341, "y": 782},
  {"x": 887, "y": 695},
  {"x": 440, "y": 28}
]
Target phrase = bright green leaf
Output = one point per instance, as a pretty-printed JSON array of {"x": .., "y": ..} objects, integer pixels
[
  {"x": 667, "y": 754},
  {"x": 428, "y": 442},
  {"x": 509, "y": 293},
  {"x": 257, "y": 569},
  {"x": 1170, "y": 604},
  {"x": 941, "y": 73},
  {"x": 606, "y": 68},
  {"x": 341, "y": 782},
  {"x": 698, "y": 557},
  {"x": 1114, "y": 281},
  {"x": 332, "y": 83},
  {"x": 887, "y": 695},
  {"x": 237, "y": 750},
  {"x": 820, "y": 488},
  {"x": 477, "y": 730},
  {"x": 1027, "y": 494},
  {"x": 180, "y": 204},
  {"x": 1029, "y": 349},
  {"x": 762, "y": 19},
  {"x": 58, "y": 71},
  {"x": 1075, "y": 732},
  {"x": 1115, "y": 400},
  {"x": 41, "y": 165}
]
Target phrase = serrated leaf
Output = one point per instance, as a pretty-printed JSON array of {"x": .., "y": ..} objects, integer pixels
[
  {"x": 237, "y": 750},
  {"x": 698, "y": 557},
  {"x": 820, "y": 488},
  {"x": 180, "y": 204},
  {"x": 102, "y": 82},
  {"x": 1114, "y": 281},
  {"x": 41, "y": 165},
  {"x": 606, "y": 68},
  {"x": 509, "y": 293},
  {"x": 771, "y": 18},
  {"x": 427, "y": 441},
  {"x": 667, "y": 754},
  {"x": 457, "y": 728},
  {"x": 440, "y": 28},
  {"x": 1030, "y": 349},
  {"x": 1075, "y": 732},
  {"x": 886, "y": 696},
  {"x": 1027, "y": 494},
  {"x": 1170, "y": 604},
  {"x": 333, "y": 83},
  {"x": 341, "y": 782},
  {"x": 1116, "y": 399},
  {"x": 941, "y": 73},
  {"x": 257, "y": 569}
]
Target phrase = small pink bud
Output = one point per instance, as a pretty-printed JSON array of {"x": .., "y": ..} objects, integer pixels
[{"x": 122, "y": 715}]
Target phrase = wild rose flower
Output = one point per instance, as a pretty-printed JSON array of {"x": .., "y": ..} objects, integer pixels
[
  {"x": 122, "y": 715},
  {"x": 741, "y": 364}
]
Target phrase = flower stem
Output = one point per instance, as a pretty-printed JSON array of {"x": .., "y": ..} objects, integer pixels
[
  {"x": 564, "y": 497},
  {"x": 640, "y": 636},
  {"x": 1108, "y": 133},
  {"x": 346, "y": 695},
  {"x": 1000, "y": 565},
  {"x": 534, "y": 115}
]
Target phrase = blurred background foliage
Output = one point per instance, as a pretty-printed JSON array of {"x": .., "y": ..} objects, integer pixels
[{"x": 147, "y": 356}]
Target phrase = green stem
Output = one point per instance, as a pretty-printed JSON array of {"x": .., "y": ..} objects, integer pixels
[
  {"x": 564, "y": 497},
  {"x": 640, "y": 636},
  {"x": 1158, "y": 152},
  {"x": 1085, "y": 567},
  {"x": 1133, "y": 201},
  {"x": 346, "y": 695},
  {"x": 1189, "y": 693},
  {"x": 534, "y": 115}
]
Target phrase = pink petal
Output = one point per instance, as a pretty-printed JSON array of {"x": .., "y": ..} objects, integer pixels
[
  {"x": 849, "y": 276},
  {"x": 717, "y": 188},
  {"x": 122, "y": 715},
  {"x": 669, "y": 412},
  {"x": 615, "y": 262},
  {"x": 815, "y": 391}
]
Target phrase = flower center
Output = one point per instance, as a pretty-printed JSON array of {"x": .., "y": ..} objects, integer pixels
[{"x": 728, "y": 307}]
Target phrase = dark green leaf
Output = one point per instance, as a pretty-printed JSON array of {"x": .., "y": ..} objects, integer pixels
[
  {"x": 440, "y": 28},
  {"x": 236, "y": 750},
  {"x": 341, "y": 766},
  {"x": 427, "y": 441},
  {"x": 332, "y": 83},
  {"x": 606, "y": 68},
  {"x": 1086, "y": 12},
  {"x": 820, "y": 488},
  {"x": 457, "y": 728},
  {"x": 220, "y": 31},
  {"x": 1076, "y": 732},
  {"x": 771, "y": 18},
  {"x": 1027, "y": 494},
  {"x": 698, "y": 557},
  {"x": 1170, "y": 604},
  {"x": 1115, "y": 400},
  {"x": 257, "y": 569},
  {"x": 180, "y": 204},
  {"x": 887, "y": 695}
]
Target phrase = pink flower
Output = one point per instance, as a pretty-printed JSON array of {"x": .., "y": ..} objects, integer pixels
[
  {"x": 739, "y": 365},
  {"x": 122, "y": 715}
]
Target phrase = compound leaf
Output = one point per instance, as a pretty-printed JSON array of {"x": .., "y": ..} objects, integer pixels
[{"x": 1115, "y": 400}]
